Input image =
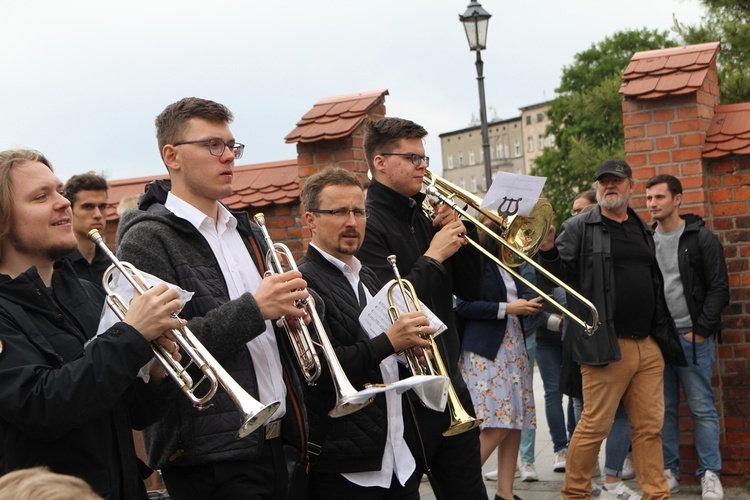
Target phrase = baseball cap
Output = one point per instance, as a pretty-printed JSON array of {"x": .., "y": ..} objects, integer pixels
[{"x": 617, "y": 168}]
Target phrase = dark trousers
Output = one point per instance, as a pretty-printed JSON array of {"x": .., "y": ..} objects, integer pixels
[
  {"x": 329, "y": 485},
  {"x": 454, "y": 461},
  {"x": 265, "y": 478}
]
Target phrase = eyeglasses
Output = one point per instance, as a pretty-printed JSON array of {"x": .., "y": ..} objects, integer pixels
[
  {"x": 343, "y": 213},
  {"x": 216, "y": 146},
  {"x": 416, "y": 159}
]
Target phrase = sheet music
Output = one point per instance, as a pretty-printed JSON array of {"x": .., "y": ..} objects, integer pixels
[
  {"x": 375, "y": 319},
  {"x": 514, "y": 192},
  {"x": 431, "y": 389}
]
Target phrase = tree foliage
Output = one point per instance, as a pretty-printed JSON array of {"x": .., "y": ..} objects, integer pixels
[
  {"x": 586, "y": 117},
  {"x": 726, "y": 21}
]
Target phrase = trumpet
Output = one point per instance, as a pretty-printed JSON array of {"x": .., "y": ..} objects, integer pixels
[
  {"x": 461, "y": 421},
  {"x": 253, "y": 413},
  {"x": 520, "y": 239},
  {"x": 301, "y": 337}
]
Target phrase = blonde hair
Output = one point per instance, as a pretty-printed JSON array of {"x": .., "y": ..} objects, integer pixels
[
  {"x": 40, "y": 482},
  {"x": 130, "y": 201}
]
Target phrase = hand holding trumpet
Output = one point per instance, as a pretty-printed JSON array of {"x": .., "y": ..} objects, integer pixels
[
  {"x": 410, "y": 330},
  {"x": 280, "y": 293}
]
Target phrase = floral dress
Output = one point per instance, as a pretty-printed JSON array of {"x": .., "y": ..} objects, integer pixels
[{"x": 501, "y": 388}]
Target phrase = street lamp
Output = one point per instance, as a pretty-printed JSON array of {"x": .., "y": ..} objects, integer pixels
[{"x": 475, "y": 21}]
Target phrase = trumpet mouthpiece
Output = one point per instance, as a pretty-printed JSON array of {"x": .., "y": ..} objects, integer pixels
[
  {"x": 94, "y": 235},
  {"x": 260, "y": 219}
]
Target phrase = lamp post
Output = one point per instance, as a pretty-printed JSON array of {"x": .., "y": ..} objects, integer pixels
[{"x": 475, "y": 21}]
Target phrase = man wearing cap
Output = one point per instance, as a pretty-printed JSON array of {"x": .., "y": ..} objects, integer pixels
[{"x": 607, "y": 255}]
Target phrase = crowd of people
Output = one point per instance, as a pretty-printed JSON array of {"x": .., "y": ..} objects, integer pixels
[{"x": 73, "y": 391}]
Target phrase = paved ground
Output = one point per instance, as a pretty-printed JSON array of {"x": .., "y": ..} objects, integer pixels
[{"x": 550, "y": 483}]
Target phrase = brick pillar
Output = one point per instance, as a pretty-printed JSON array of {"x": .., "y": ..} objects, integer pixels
[{"x": 666, "y": 136}]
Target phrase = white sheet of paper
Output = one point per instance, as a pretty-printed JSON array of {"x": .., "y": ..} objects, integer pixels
[
  {"x": 375, "y": 319},
  {"x": 432, "y": 390},
  {"x": 506, "y": 186}
]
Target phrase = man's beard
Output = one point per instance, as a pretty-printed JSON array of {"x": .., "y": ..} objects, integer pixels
[
  {"x": 612, "y": 203},
  {"x": 52, "y": 253}
]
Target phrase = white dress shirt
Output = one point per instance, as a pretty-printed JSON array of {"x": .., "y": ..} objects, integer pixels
[{"x": 241, "y": 275}]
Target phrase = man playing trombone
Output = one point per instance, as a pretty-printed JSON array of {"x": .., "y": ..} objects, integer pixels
[
  {"x": 431, "y": 256},
  {"x": 69, "y": 398},
  {"x": 184, "y": 235},
  {"x": 364, "y": 455}
]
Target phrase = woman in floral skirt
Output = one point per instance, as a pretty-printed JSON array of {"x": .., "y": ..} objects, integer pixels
[{"x": 496, "y": 367}]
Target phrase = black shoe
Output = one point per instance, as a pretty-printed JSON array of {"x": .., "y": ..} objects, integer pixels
[{"x": 515, "y": 497}]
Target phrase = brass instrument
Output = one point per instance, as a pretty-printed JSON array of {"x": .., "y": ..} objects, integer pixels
[
  {"x": 301, "y": 337},
  {"x": 254, "y": 413},
  {"x": 520, "y": 239},
  {"x": 461, "y": 421}
]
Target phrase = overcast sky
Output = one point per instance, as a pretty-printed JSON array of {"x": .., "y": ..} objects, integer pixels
[{"x": 83, "y": 80}]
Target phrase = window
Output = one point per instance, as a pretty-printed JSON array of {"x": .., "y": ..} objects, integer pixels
[
  {"x": 485, "y": 187},
  {"x": 551, "y": 141},
  {"x": 517, "y": 146},
  {"x": 473, "y": 184},
  {"x": 530, "y": 146},
  {"x": 539, "y": 117},
  {"x": 528, "y": 119},
  {"x": 450, "y": 162},
  {"x": 463, "y": 183},
  {"x": 499, "y": 151},
  {"x": 481, "y": 155},
  {"x": 471, "y": 157},
  {"x": 460, "y": 159},
  {"x": 507, "y": 151},
  {"x": 541, "y": 142}
]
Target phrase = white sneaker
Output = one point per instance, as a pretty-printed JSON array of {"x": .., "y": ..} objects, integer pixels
[
  {"x": 621, "y": 492},
  {"x": 628, "y": 470},
  {"x": 560, "y": 457},
  {"x": 674, "y": 484},
  {"x": 711, "y": 485},
  {"x": 528, "y": 472},
  {"x": 491, "y": 475}
]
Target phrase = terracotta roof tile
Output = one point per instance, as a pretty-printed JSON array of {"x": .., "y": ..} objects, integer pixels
[
  {"x": 729, "y": 133},
  {"x": 334, "y": 117},
  {"x": 677, "y": 70},
  {"x": 255, "y": 185}
]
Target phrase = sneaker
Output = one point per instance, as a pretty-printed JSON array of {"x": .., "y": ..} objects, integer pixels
[
  {"x": 674, "y": 484},
  {"x": 711, "y": 485},
  {"x": 596, "y": 490},
  {"x": 628, "y": 470},
  {"x": 621, "y": 492},
  {"x": 491, "y": 475},
  {"x": 559, "y": 464},
  {"x": 528, "y": 472}
]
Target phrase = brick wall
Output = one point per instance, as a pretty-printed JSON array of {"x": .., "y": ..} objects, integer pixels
[{"x": 666, "y": 136}]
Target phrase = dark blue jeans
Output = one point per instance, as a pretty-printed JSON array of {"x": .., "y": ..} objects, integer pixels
[{"x": 549, "y": 360}]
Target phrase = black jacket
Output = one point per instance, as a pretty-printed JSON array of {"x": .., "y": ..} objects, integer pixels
[
  {"x": 582, "y": 258},
  {"x": 355, "y": 442},
  {"x": 68, "y": 402},
  {"x": 703, "y": 272},
  {"x": 158, "y": 242}
]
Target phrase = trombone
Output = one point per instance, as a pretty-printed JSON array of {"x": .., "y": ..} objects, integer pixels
[
  {"x": 301, "y": 338},
  {"x": 254, "y": 413},
  {"x": 461, "y": 421},
  {"x": 521, "y": 237}
]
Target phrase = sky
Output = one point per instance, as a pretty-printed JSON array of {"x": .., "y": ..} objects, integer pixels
[{"x": 83, "y": 80}]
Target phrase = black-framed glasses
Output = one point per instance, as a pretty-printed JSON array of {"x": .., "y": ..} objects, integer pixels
[
  {"x": 343, "y": 213},
  {"x": 416, "y": 159},
  {"x": 216, "y": 146}
]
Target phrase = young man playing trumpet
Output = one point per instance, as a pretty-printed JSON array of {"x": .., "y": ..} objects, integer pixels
[
  {"x": 432, "y": 256},
  {"x": 369, "y": 454},
  {"x": 185, "y": 235},
  {"x": 69, "y": 398}
]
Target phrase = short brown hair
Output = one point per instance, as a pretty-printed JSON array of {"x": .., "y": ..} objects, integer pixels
[
  {"x": 383, "y": 134},
  {"x": 9, "y": 160},
  {"x": 172, "y": 122},
  {"x": 333, "y": 176},
  {"x": 40, "y": 482},
  {"x": 89, "y": 181},
  {"x": 673, "y": 183}
]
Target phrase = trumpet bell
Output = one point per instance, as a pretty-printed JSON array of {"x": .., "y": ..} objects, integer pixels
[
  {"x": 526, "y": 233},
  {"x": 252, "y": 421}
]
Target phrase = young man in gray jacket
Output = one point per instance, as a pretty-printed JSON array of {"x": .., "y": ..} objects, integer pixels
[{"x": 184, "y": 235}]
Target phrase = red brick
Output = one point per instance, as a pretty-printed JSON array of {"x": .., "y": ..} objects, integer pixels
[
  {"x": 637, "y": 118},
  {"x": 660, "y": 157},
  {"x": 717, "y": 195},
  {"x": 696, "y": 139},
  {"x": 665, "y": 142},
  {"x": 656, "y": 129},
  {"x": 735, "y": 208},
  {"x": 640, "y": 145},
  {"x": 679, "y": 127},
  {"x": 664, "y": 115},
  {"x": 635, "y": 132},
  {"x": 687, "y": 154}
]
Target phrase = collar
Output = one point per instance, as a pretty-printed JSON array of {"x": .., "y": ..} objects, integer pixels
[
  {"x": 345, "y": 268},
  {"x": 386, "y": 198},
  {"x": 186, "y": 211}
]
